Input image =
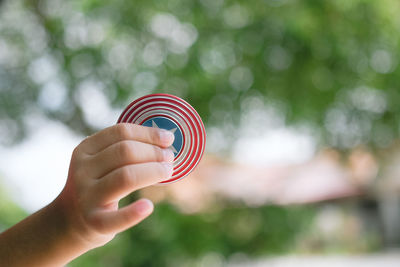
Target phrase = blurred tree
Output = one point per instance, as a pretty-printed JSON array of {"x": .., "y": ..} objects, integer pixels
[{"x": 331, "y": 65}]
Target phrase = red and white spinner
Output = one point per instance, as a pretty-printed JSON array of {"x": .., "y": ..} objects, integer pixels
[{"x": 176, "y": 115}]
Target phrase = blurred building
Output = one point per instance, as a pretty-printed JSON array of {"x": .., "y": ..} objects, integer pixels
[{"x": 370, "y": 190}]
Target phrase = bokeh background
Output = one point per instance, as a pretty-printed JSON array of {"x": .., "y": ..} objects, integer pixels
[{"x": 300, "y": 101}]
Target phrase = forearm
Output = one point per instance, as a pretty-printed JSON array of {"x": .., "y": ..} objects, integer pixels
[{"x": 42, "y": 239}]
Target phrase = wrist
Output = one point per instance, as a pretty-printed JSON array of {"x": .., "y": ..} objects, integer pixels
[
  {"x": 46, "y": 238},
  {"x": 66, "y": 230},
  {"x": 74, "y": 224}
]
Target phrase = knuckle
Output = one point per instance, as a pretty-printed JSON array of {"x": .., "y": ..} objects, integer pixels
[
  {"x": 82, "y": 144},
  {"x": 159, "y": 153},
  {"x": 77, "y": 149},
  {"x": 127, "y": 178},
  {"x": 123, "y": 130},
  {"x": 76, "y": 153},
  {"x": 125, "y": 150},
  {"x": 79, "y": 155}
]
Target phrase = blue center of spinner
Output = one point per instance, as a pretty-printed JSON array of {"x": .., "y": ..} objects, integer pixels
[{"x": 167, "y": 124}]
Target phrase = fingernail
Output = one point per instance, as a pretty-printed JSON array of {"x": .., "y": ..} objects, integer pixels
[
  {"x": 169, "y": 169},
  {"x": 166, "y": 137},
  {"x": 168, "y": 155},
  {"x": 144, "y": 207}
]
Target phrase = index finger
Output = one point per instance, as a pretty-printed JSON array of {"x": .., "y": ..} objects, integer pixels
[{"x": 126, "y": 131}]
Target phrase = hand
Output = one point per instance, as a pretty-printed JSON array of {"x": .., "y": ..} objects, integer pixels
[{"x": 106, "y": 167}]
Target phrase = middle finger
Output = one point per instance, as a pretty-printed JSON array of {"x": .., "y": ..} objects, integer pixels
[{"x": 124, "y": 153}]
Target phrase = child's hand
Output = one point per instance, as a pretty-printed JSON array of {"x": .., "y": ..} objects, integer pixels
[{"x": 106, "y": 167}]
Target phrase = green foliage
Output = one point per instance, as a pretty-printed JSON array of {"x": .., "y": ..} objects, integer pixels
[
  {"x": 331, "y": 65},
  {"x": 170, "y": 238},
  {"x": 10, "y": 213}
]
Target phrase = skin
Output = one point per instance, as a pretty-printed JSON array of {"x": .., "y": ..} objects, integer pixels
[{"x": 104, "y": 168}]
